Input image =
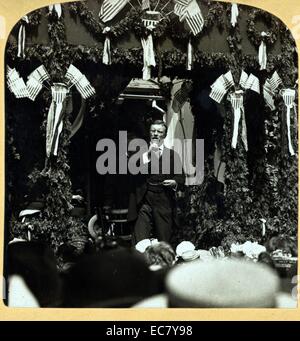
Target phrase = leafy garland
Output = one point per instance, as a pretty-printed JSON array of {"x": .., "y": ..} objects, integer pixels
[
  {"x": 202, "y": 211},
  {"x": 281, "y": 167},
  {"x": 134, "y": 57},
  {"x": 254, "y": 35},
  {"x": 133, "y": 22},
  {"x": 277, "y": 201},
  {"x": 96, "y": 27},
  {"x": 288, "y": 182}
]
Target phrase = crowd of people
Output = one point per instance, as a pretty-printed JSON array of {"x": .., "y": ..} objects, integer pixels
[{"x": 150, "y": 274}]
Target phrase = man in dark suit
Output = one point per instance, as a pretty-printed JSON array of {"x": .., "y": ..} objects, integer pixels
[{"x": 152, "y": 201}]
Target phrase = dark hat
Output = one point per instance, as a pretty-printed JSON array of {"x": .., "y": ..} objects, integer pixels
[
  {"x": 112, "y": 276},
  {"x": 36, "y": 264}
]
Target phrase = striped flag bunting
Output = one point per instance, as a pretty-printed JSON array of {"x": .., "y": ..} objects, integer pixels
[
  {"x": 110, "y": 8},
  {"x": 35, "y": 81},
  {"x": 16, "y": 83}
]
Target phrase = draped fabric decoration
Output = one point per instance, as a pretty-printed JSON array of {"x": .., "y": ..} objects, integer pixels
[
  {"x": 222, "y": 86},
  {"x": 110, "y": 8},
  {"x": 22, "y": 37},
  {"x": 35, "y": 81},
  {"x": 189, "y": 56},
  {"x": 263, "y": 222},
  {"x": 149, "y": 56},
  {"x": 234, "y": 14},
  {"x": 56, "y": 9},
  {"x": 180, "y": 122},
  {"x": 289, "y": 96},
  {"x": 150, "y": 20},
  {"x": 16, "y": 83},
  {"x": 237, "y": 102},
  {"x": 55, "y": 117},
  {"x": 57, "y": 109},
  {"x": 262, "y": 52},
  {"x": 269, "y": 89},
  {"x": 106, "y": 58}
]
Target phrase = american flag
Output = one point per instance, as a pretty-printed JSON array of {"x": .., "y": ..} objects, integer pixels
[
  {"x": 16, "y": 83},
  {"x": 220, "y": 87},
  {"x": 34, "y": 87},
  {"x": 80, "y": 81},
  {"x": 243, "y": 79},
  {"x": 180, "y": 6},
  {"x": 275, "y": 81},
  {"x": 181, "y": 96},
  {"x": 193, "y": 17},
  {"x": 35, "y": 80},
  {"x": 110, "y": 8},
  {"x": 268, "y": 95}
]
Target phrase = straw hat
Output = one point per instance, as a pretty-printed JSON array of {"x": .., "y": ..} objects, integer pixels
[{"x": 222, "y": 283}]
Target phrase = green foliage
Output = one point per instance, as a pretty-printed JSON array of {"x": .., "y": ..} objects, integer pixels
[
  {"x": 273, "y": 192},
  {"x": 53, "y": 232}
]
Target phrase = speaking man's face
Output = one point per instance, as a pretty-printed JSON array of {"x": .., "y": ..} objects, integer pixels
[{"x": 157, "y": 134}]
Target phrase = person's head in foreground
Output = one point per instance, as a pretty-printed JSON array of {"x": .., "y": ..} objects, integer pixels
[
  {"x": 222, "y": 284},
  {"x": 160, "y": 255},
  {"x": 33, "y": 279},
  {"x": 114, "y": 278}
]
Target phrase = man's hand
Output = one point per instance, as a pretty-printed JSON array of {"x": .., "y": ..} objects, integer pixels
[
  {"x": 78, "y": 197},
  {"x": 153, "y": 147},
  {"x": 170, "y": 183}
]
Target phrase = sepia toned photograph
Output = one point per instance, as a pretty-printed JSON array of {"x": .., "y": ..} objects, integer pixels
[{"x": 151, "y": 157}]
